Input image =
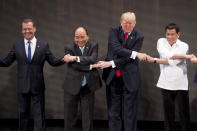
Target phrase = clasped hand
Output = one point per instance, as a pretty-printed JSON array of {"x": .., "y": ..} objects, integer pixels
[{"x": 69, "y": 58}]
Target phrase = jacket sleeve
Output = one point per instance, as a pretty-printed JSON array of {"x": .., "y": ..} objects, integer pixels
[
  {"x": 118, "y": 48},
  {"x": 121, "y": 60},
  {"x": 9, "y": 59},
  {"x": 80, "y": 67},
  {"x": 84, "y": 60},
  {"x": 52, "y": 60}
]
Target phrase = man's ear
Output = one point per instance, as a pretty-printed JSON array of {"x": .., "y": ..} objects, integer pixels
[
  {"x": 179, "y": 34},
  {"x": 35, "y": 29}
]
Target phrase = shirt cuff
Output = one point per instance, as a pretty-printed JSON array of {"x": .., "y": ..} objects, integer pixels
[
  {"x": 78, "y": 59},
  {"x": 113, "y": 64},
  {"x": 133, "y": 55},
  {"x": 90, "y": 67}
]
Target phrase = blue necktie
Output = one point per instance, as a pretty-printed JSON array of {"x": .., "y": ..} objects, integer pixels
[
  {"x": 29, "y": 51},
  {"x": 84, "y": 78}
]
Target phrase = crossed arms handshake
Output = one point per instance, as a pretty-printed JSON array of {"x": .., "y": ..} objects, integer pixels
[
  {"x": 69, "y": 58},
  {"x": 141, "y": 56}
]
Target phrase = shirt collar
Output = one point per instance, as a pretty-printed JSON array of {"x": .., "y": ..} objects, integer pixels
[
  {"x": 176, "y": 43},
  {"x": 82, "y": 47},
  {"x": 128, "y": 33},
  {"x": 33, "y": 40}
]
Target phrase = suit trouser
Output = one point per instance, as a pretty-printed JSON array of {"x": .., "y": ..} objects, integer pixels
[
  {"x": 86, "y": 99},
  {"x": 182, "y": 98},
  {"x": 122, "y": 107},
  {"x": 24, "y": 104}
]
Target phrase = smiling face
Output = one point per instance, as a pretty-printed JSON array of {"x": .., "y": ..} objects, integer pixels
[
  {"x": 28, "y": 30},
  {"x": 172, "y": 36},
  {"x": 81, "y": 37}
]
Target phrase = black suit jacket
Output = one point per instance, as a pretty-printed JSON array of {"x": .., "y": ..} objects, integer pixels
[
  {"x": 77, "y": 70},
  {"x": 30, "y": 74},
  {"x": 120, "y": 54}
]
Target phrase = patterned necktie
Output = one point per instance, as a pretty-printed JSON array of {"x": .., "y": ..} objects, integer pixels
[
  {"x": 84, "y": 78},
  {"x": 118, "y": 72},
  {"x": 29, "y": 51}
]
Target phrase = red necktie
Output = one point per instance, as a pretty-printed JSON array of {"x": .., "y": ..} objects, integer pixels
[{"x": 118, "y": 72}]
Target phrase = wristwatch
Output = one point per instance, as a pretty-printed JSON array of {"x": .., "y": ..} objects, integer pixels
[{"x": 155, "y": 60}]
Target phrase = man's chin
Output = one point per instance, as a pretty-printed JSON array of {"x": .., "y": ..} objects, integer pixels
[{"x": 28, "y": 37}]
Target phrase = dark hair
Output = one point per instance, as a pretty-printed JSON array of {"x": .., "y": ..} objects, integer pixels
[
  {"x": 173, "y": 26},
  {"x": 83, "y": 28},
  {"x": 29, "y": 20}
]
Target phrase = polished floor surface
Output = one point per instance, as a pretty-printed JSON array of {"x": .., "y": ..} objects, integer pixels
[{"x": 57, "y": 125}]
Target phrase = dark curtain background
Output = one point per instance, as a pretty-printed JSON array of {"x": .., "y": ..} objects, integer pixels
[{"x": 56, "y": 21}]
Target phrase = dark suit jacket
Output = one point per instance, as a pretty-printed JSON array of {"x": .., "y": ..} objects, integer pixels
[
  {"x": 77, "y": 70},
  {"x": 120, "y": 54},
  {"x": 195, "y": 78},
  {"x": 30, "y": 74}
]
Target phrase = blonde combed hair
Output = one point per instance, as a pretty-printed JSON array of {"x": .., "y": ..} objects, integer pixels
[{"x": 128, "y": 15}]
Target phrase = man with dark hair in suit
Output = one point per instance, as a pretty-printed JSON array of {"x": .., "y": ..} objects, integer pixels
[
  {"x": 30, "y": 54},
  {"x": 82, "y": 79},
  {"x": 121, "y": 74}
]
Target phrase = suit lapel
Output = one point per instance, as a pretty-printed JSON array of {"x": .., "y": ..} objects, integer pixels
[
  {"x": 122, "y": 37},
  {"x": 86, "y": 49},
  {"x": 77, "y": 50},
  {"x": 131, "y": 39},
  {"x": 36, "y": 50},
  {"x": 22, "y": 49}
]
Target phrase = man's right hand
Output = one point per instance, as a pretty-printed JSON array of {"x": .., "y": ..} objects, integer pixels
[
  {"x": 104, "y": 64},
  {"x": 141, "y": 56},
  {"x": 69, "y": 58}
]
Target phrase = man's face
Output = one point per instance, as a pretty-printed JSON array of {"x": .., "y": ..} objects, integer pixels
[
  {"x": 172, "y": 36},
  {"x": 81, "y": 37},
  {"x": 28, "y": 30},
  {"x": 127, "y": 25}
]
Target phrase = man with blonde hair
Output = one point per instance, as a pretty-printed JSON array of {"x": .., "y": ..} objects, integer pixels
[{"x": 121, "y": 74}]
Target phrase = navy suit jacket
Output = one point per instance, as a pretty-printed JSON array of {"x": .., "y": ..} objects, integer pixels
[
  {"x": 77, "y": 70},
  {"x": 30, "y": 74},
  {"x": 195, "y": 78},
  {"x": 120, "y": 54}
]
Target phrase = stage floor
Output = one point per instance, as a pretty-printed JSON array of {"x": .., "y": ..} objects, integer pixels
[{"x": 58, "y": 125}]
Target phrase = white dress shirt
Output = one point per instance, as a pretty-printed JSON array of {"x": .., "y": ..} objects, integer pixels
[
  {"x": 33, "y": 46},
  {"x": 174, "y": 75}
]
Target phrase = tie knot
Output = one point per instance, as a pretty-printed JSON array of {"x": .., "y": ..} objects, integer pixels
[
  {"x": 126, "y": 34},
  {"x": 82, "y": 49},
  {"x": 29, "y": 42}
]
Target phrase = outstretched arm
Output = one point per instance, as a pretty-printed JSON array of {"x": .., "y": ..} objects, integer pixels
[
  {"x": 52, "y": 60},
  {"x": 182, "y": 56},
  {"x": 9, "y": 59},
  {"x": 117, "y": 47}
]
